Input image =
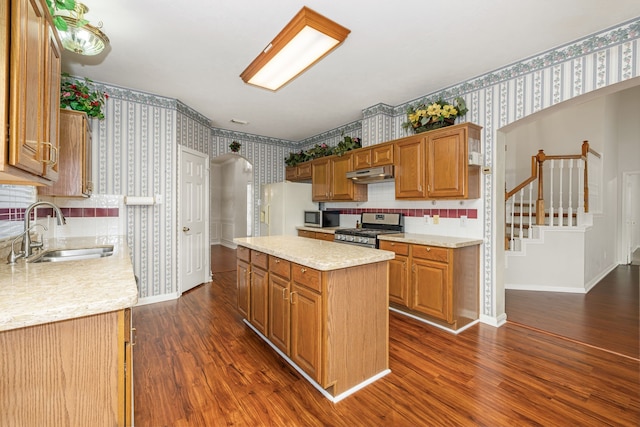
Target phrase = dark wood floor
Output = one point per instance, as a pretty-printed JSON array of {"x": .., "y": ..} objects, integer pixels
[
  {"x": 197, "y": 364},
  {"x": 607, "y": 317}
]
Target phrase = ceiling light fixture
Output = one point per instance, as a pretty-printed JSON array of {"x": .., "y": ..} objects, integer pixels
[
  {"x": 80, "y": 36},
  {"x": 301, "y": 43}
]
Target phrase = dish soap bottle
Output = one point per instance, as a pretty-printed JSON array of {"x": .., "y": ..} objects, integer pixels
[{"x": 357, "y": 224}]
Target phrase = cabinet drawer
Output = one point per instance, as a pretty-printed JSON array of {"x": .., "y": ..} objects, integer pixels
[
  {"x": 308, "y": 277},
  {"x": 243, "y": 253},
  {"x": 280, "y": 266},
  {"x": 329, "y": 237},
  {"x": 430, "y": 252},
  {"x": 398, "y": 248},
  {"x": 259, "y": 259},
  {"x": 306, "y": 233}
]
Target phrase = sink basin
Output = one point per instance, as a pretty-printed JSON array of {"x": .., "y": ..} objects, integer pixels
[{"x": 58, "y": 255}]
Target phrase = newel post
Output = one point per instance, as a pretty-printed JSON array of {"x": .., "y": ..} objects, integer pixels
[
  {"x": 585, "y": 158},
  {"x": 540, "y": 157}
]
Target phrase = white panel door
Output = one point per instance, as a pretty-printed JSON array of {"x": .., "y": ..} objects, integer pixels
[{"x": 194, "y": 219}]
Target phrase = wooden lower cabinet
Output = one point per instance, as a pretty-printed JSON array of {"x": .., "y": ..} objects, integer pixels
[
  {"x": 438, "y": 284},
  {"x": 306, "y": 330},
  {"x": 398, "y": 272},
  {"x": 431, "y": 292},
  {"x": 75, "y": 372},
  {"x": 316, "y": 318},
  {"x": 329, "y": 237},
  {"x": 259, "y": 292}
]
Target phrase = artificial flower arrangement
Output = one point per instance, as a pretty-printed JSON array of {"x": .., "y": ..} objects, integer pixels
[
  {"x": 77, "y": 95},
  {"x": 434, "y": 115},
  {"x": 322, "y": 150},
  {"x": 234, "y": 146}
]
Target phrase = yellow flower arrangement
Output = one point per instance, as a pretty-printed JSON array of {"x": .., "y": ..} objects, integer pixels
[{"x": 434, "y": 115}]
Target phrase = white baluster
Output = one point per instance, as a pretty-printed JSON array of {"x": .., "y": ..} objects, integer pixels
[
  {"x": 570, "y": 207},
  {"x": 561, "y": 195},
  {"x": 511, "y": 220},
  {"x": 551, "y": 169},
  {"x": 521, "y": 194},
  {"x": 531, "y": 209}
]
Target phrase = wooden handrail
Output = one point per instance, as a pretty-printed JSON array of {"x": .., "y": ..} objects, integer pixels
[
  {"x": 534, "y": 175},
  {"x": 537, "y": 163}
]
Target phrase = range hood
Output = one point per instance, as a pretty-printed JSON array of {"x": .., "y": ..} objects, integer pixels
[{"x": 372, "y": 175}]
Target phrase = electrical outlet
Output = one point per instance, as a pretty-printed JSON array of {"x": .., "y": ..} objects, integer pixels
[
  {"x": 463, "y": 220},
  {"x": 436, "y": 219},
  {"x": 427, "y": 219}
]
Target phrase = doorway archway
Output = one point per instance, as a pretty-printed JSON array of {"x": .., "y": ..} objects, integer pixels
[{"x": 231, "y": 199}]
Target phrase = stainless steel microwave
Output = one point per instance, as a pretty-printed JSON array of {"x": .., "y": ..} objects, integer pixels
[{"x": 321, "y": 218}]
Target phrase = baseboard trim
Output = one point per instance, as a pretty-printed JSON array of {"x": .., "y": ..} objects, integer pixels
[
  {"x": 544, "y": 288},
  {"x": 157, "y": 298},
  {"x": 444, "y": 328},
  {"x": 496, "y": 322},
  {"x": 591, "y": 283}
]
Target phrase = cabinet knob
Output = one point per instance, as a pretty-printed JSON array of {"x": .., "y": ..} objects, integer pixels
[
  {"x": 303, "y": 270},
  {"x": 277, "y": 261},
  {"x": 428, "y": 249}
]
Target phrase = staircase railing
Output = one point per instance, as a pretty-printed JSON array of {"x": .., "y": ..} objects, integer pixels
[{"x": 567, "y": 195}]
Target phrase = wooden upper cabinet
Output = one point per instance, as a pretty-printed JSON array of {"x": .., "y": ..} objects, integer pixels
[
  {"x": 434, "y": 165},
  {"x": 320, "y": 179},
  {"x": 342, "y": 187},
  {"x": 300, "y": 172},
  {"x": 34, "y": 58},
  {"x": 362, "y": 159},
  {"x": 378, "y": 155},
  {"x": 330, "y": 183},
  {"x": 449, "y": 174},
  {"x": 51, "y": 149},
  {"x": 410, "y": 174},
  {"x": 75, "y": 157}
]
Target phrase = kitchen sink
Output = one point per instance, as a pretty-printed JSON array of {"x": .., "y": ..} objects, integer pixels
[{"x": 58, "y": 255}]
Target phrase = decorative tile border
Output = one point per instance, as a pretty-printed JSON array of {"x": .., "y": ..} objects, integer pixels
[
  {"x": 17, "y": 214},
  {"x": 443, "y": 213}
]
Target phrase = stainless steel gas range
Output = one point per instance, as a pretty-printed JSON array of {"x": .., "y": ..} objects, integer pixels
[{"x": 372, "y": 225}]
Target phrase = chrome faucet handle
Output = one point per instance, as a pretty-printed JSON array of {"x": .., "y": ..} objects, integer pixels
[{"x": 13, "y": 255}]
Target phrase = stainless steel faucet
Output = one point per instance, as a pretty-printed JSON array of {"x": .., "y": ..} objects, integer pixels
[{"x": 27, "y": 244}]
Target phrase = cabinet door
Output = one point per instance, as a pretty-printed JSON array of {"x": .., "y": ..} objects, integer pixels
[
  {"x": 125, "y": 368},
  {"x": 51, "y": 143},
  {"x": 410, "y": 168},
  {"x": 320, "y": 180},
  {"x": 362, "y": 159},
  {"x": 447, "y": 163},
  {"x": 243, "y": 288},
  {"x": 342, "y": 187},
  {"x": 279, "y": 312},
  {"x": 399, "y": 280},
  {"x": 382, "y": 155},
  {"x": 27, "y": 115},
  {"x": 431, "y": 291},
  {"x": 306, "y": 330},
  {"x": 259, "y": 297},
  {"x": 72, "y": 182}
]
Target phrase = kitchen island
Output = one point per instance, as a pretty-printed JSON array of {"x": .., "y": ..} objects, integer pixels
[
  {"x": 322, "y": 306},
  {"x": 65, "y": 330}
]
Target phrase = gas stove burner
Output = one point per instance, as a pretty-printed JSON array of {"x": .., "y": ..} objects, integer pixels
[{"x": 373, "y": 224}]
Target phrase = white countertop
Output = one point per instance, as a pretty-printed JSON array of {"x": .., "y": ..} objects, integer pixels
[
  {"x": 32, "y": 294},
  {"x": 318, "y": 254},
  {"x": 431, "y": 240}
]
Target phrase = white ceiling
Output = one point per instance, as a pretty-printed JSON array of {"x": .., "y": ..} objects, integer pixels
[{"x": 397, "y": 51}]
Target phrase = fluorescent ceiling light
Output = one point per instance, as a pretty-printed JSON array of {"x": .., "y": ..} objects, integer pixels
[{"x": 305, "y": 40}]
